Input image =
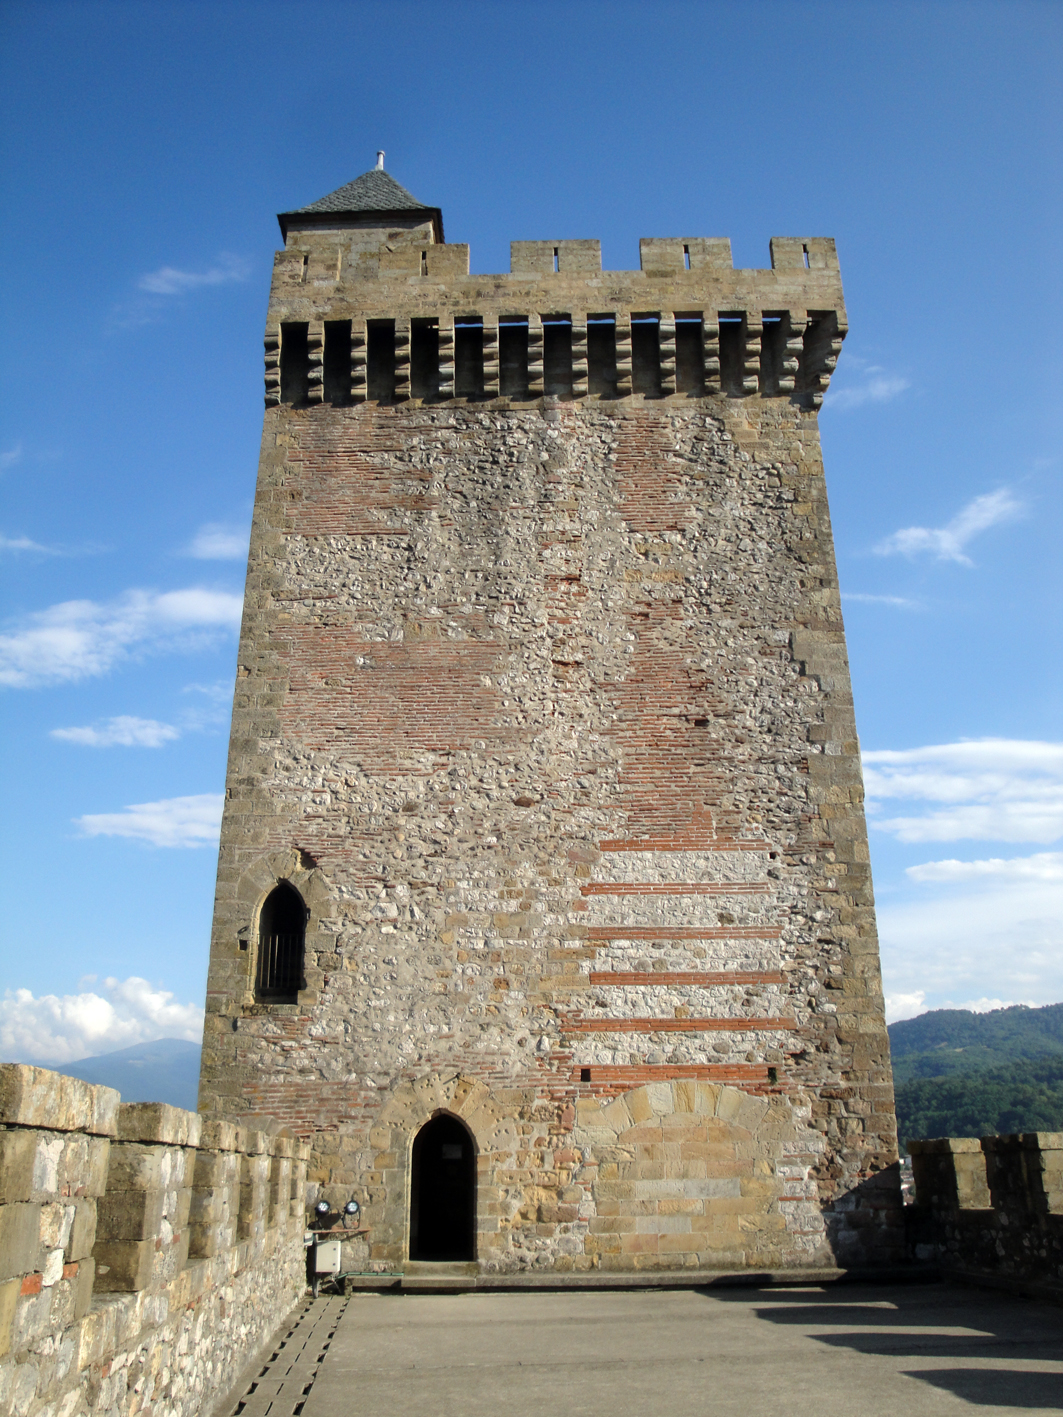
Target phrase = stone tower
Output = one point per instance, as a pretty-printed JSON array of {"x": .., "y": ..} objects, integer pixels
[{"x": 544, "y": 907}]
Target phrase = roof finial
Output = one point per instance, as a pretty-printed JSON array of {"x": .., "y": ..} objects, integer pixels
[{"x": 380, "y": 160}]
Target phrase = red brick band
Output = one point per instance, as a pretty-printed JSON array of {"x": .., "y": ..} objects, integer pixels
[
  {"x": 676, "y": 1025},
  {"x": 675, "y": 888},
  {"x": 692, "y": 842},
  {"x": 666, "y": 932},
  {"x": 705, "y": 978},
  {"x": 634, "y": 1074}
]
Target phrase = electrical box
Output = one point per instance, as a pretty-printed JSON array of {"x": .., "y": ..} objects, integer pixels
[{"x": 327, "y": 1257}]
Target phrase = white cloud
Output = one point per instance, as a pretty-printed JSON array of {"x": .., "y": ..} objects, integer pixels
[
  {"x": 986, "y": 1006},
  {"x": 897, "y": 601},
  {"x": 123, "y": 731},
  {"x": 948, "y": 543},
  {"x": 876, "y": 386},
  {"x": 169, "y": 281},
  {"x": 175, "y": 821},
  {"x": 23, "y": 543},
  {"x": 11, "y": 457},
  {"x": 900, "y": 1006},
  {"x": 1045, "y": 866},
  {"x": 216, "y": 542},
  {"x": 79, "y": 639},
  {"x": 212, "y": 711},
  {"x": 993, "y": 789},
  {"x": 57, "y": 1029},
  {"x": 995, "y": 941}
]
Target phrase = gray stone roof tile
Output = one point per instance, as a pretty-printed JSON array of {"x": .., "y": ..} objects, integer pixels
[{"x": 374, "y": 191}]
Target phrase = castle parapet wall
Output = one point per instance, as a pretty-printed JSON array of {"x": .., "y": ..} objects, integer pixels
[
  {"x": 403, "y": 318},
  {"x": 991, "y": 1209},
  {"x": 145, "y": 1252}
]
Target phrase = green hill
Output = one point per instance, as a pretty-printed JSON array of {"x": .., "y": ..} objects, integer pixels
[
  {"x": 961, "y": 1074},
  {"x": 946, "y": 1041}
]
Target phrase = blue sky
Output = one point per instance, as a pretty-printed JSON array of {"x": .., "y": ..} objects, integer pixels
[{"x": 149, "y": 147}]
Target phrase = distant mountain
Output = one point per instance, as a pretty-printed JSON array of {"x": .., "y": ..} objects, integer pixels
[
  {"x": 164, "y": 1071},
  {"x": 946, "y": 1041},
  {"x": 960, "y": 1074}
]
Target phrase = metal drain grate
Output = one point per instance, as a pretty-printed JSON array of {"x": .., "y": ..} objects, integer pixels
[{"x": 283, "y": 1383}]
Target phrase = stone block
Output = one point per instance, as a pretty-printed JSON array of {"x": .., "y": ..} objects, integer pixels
[
  {"x": 129, "y": 1215},
  {"x": 216, "y": 1134},
  {"x": 158, "y": 1122},
  {"x": 20, "y": 1237},
  {"x": 123, "y": 1265},
  {"x": 18, "y": 1153},
  {"x": 37, "y": 1097},
  {"x": 9, "y": 1293},
  {"x": 136, "y": 1167},
  {"x": 32, "y": 1320}
]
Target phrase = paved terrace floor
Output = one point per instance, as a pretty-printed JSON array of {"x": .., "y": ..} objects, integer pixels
[{"x": 861, "y": 1351}]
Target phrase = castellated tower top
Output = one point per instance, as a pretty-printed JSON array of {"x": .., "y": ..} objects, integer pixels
[{"x": 370, "y": 302}]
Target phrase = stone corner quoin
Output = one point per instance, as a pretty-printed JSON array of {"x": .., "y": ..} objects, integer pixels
[{"x": 544, "y": 885}]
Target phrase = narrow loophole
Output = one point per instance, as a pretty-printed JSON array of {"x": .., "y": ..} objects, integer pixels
[
  {"x": 804, "y": 250},
  {"x": 424, "y": 263},
  {"x": 557, "y": 266},
  {"x": 686, "y": 258}
]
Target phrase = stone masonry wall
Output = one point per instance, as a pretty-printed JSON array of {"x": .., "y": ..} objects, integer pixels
[
  {"x": 991, "y": 1210},
  {"x": 543, "y": 707},
  {"x": 145, "y": 1252}
]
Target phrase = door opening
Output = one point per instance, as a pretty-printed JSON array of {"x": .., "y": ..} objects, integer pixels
[{"x": 443, "y": 1192}]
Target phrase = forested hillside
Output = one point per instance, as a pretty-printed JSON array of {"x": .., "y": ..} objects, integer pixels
[
  {"x": 962, "y": 1074},
  {"x": 958, "y": 1041}
]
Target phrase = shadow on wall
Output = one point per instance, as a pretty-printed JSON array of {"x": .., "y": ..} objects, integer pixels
[{"x": 868, "y": 1221}]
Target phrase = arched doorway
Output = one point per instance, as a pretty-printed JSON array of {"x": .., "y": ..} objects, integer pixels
[{"x": 443, "y": 1192}]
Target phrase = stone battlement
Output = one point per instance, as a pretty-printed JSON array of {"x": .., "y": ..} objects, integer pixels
[
  {"x": 145, "y": 1252},
  {"x": 991, "y": 1209},
  {"x": 360, "y": 310}
]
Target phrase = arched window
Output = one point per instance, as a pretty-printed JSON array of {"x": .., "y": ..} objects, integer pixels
[
  {"x": 443, "y": 1192},
  {"x": 281, "y": 935}
]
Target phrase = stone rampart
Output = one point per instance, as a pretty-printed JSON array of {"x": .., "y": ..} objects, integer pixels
[
  {"x": 145, "y": 1252},
  {"x": 991, "y": 1210}
]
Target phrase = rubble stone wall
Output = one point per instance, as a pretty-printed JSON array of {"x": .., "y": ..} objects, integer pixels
[
  {"x": 145, "y": 1253},
  {"x": 991, "y": 1209},
  {"x": 543, "y": 707}
]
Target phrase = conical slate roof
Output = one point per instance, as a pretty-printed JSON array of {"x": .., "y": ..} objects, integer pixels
[{"x": 375, "y": 191}]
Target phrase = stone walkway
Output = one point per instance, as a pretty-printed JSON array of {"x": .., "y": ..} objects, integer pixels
[{"x": 809, "y": 1352}]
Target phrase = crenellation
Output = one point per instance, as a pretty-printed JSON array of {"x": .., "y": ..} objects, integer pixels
[{"x": 117, "y": 1247}]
